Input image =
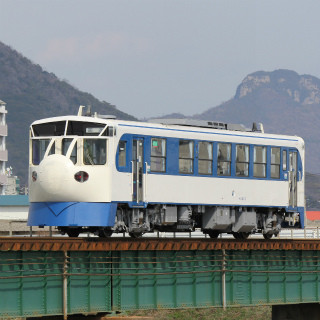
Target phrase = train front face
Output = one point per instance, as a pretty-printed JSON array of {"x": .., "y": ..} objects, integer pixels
[{"x": 68, "y": 173}]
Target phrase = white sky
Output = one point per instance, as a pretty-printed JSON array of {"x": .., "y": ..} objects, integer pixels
[{"x": 154, "y": 57}]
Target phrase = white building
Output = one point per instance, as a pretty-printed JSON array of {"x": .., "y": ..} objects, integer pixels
[
  {"x": 3, "y": 150},
  {"x": 14, "y": 207},
  {"x": 12, "y": 185}
]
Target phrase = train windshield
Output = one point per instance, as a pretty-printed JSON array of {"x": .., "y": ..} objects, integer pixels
[
  {"x": 79, "y": 128},
  {"x": 49, "y": 129},
  {"x": 65, "y": 135},
  {"x": 81, "y": 151},
  {"x": 70, "y": 128}
]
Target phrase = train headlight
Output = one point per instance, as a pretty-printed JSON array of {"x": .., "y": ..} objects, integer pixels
[
  {"x": 81, "y": 176},
  {"x": 34, "y": 176}
]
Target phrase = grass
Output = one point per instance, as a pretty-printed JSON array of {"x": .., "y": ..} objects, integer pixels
[{"x": 236, "y": 313}]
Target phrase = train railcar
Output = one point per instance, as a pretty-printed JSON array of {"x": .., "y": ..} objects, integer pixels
[{"x": 103, "y": 175}]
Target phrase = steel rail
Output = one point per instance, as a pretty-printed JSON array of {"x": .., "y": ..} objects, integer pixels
[
  {"x": 162, "y": 273},
  {"x": 154, "y": 260},
  {"x": 156, "y": 268},
  {"x": 143, "y": 244}
]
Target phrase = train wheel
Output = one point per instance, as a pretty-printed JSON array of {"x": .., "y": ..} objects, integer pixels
[
  {"x": 73, "y": 233},
  {"x": 236, "y": 235},
  {"x": 267, "y": 236},
  {"x": 105, "y": 233},
  {"x": 241, "y": 235},
  {"x": 244, "y": 235},
  {"x": 135, "y": 235},
  {"x": 213, "y": 234}
]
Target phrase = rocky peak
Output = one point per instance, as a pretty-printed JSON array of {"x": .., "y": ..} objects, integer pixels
[
  {"x": 250, "y": 83},
  {"x": 302, "y": 89}
]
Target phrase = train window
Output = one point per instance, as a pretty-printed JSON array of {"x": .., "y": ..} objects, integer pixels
[
  {"x": 158, "y": 155},
  {"x": 242, "y": 161},
  {"x": 284, "y": 160},
  {"x": 186, "y": 156},
  {"x": 205, "y": 157},
  {"x": 224, "y": 159},
  {"x": 110, "y": 132},
  {"x": 80, "y": 128},
  {"x": 275, "y": 163},
  {"x": 49, "y": 129},
  {"x": 65, "y": 146},
  {"x": 39, "y": 147},
  {"x": 259, "y": 161},
  {"x": 94, "y": 151},
  {"x": 122, "y": 153}
]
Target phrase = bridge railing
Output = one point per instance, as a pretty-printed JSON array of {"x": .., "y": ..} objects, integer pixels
[
  {"x": 307, "y": 233},
  {"x": 20, "y": 228}
]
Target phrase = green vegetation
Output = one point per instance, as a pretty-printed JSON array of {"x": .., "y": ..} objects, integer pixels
[
  {"x": 236, "y": 313},
  {"x": 313, "y": 191},
  {"x": 31, "y": 94}
]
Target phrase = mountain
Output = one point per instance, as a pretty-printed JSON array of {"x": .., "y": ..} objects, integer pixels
[
  {"x": 312, "y": 186},
  {"x": 285, "y": 102},
  {"x": 32, "y": 93}
]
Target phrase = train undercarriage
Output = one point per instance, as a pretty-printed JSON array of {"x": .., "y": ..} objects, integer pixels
[{"x": 212, "y": 220}]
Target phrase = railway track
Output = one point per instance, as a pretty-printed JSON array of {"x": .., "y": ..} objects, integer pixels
[{"x": 143, "y": 244}]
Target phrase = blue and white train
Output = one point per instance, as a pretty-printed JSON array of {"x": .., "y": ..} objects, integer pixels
[{"x": 102, "y": 175}]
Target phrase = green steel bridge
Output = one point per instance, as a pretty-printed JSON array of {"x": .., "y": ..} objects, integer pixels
[{"x": 64, "y": 276}]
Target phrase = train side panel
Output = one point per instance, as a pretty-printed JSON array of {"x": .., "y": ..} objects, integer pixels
[{"x": 212, "y": 190}]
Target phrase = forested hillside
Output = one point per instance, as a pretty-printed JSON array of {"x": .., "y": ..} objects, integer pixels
[{"x": 32, "y": 93}]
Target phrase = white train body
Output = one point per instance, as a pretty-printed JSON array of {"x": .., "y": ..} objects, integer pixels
[{"x": 109, "y": 175}]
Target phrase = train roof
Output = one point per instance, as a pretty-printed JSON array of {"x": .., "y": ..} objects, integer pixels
[
  {"x": 167, "y": 122},
  {"x": 178, "y": 124}
]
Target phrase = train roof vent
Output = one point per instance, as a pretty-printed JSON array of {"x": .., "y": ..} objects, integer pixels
[
  {"x": 105, "y": 116},
  {"x": 202, "y": 124},
  {"x": 191, "y": 123},
  {"x": 95, "y": 115}
]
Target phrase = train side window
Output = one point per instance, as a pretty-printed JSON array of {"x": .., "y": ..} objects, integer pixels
[
  {"x": 259, "y": 162},
  {"x": 94, "y": 151},
  {"x": 65, "y": 146},
  {"x": 158, "y": 155},
  {"x": 205, "y": 157},
  {"x": 111, "y": 131},
  {"x": 186, "y": 156},
  {"x": 242, "y": 161},
  {"x": 122, "y": 153},
  {"x": 224, "y": 159},
  {"x": 284, "y": 160},
  {"x": 275, "y": 163},
  {"x": 39, "y": 147}
]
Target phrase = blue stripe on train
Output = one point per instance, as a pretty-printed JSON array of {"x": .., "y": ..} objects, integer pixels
[{"x": 62, "y": 214}]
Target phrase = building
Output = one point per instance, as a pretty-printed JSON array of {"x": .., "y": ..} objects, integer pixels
[
  {"x": 12, "y": 185},
  {"x": 14, "y": 207},
  {"x": 3, "y": 150},
  {"x": 14, "y": 215}
]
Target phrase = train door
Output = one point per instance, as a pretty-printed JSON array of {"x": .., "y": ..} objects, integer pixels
[
  {"x": 293, "y": 175},
  {"x": 138, "y": 171}
]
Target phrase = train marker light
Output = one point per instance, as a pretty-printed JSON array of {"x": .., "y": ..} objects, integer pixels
[
  {"x": 34, "y": 176},
  {"x": 81, "y": 176}
]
